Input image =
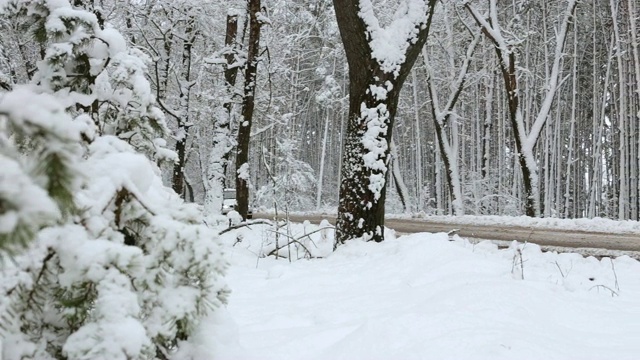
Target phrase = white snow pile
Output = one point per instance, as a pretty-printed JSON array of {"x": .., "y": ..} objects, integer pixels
[
  {"x": 426, "y": 296},
  {"x": 389, "y": 44}
]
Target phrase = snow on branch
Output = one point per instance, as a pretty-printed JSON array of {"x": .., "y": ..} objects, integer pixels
[{"x": 554, "y": 80}]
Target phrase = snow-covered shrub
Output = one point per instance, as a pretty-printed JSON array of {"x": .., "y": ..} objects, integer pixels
[
  {"x": 130, "y": 277},
  {"x": 35, "y": 190},
  {"x": 116, "y": 265},
  {"x": 127, "y": 107}
]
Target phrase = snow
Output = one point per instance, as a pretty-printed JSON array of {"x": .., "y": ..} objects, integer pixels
[
  {"x": 426, "y": 296},
  {"x": 592, "y": 225},
  {"x": 262, "y": 19},
  {"x": 375, "y": 143},
  {"x": 48, "y": 114},
  {"x": 389, "y": 44},
  {"x": 243, "y": 172},
  {"x": 25, "y": 199}
]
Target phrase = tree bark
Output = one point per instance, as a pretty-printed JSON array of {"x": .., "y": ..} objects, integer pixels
[
  {"x": 248, "y": 104},
  {"x": 374, "y": 90}
]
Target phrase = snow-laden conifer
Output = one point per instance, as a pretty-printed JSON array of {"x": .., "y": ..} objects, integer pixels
[{"x": 116, "y": 265}]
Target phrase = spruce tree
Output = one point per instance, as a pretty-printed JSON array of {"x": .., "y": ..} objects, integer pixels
[{"x": 113, "y": 264}]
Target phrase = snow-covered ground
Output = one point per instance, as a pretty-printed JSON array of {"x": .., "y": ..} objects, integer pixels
[{"x": 424, "y": 296}]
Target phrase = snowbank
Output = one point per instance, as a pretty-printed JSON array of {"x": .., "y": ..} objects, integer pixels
[{"x": 425, "y": 297}]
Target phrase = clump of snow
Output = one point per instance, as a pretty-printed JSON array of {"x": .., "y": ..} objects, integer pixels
[
  {"x": 234, "y": 217},
  {"x": 243, "y": 172},
  {"x": 389, "y": 45},
  {"x": 28, "y": 200},
  {"x": 375, "y": 143}
]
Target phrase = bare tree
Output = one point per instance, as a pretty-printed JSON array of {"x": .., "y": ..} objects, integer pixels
[
  {"x": 445, "y": 118},
  {"x": 525, "y": 139}
]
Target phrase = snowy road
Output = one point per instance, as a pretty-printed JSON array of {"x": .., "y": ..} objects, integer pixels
[{"x": 544, "y": 237}]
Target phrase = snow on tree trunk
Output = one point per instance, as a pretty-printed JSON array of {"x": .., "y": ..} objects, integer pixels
[
  {"x": 221, "y": 148},
  {"x": 379, "y": 61}
]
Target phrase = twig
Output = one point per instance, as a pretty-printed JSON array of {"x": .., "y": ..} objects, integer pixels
[
  {"x": 297, "y": 240},
  {"x": 275, "y": 251},
  {"x": 613, "y": 292},
  {"x": 561, "y": 272},
  {"x": 246, "y": 224},
  {"x": 615, "y": 275}
]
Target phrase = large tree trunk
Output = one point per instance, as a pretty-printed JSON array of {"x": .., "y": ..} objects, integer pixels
[
  {"x": 248, "y": 103},
  {"x": 374, "y": 89}
]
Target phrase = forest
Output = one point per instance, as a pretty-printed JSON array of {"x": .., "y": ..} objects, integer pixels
[
  {"x": 457, "y": 146},
  {"x": 123, "y": 122}
]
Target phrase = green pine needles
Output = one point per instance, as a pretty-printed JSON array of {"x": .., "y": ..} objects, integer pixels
[{"x": 107, "y": 262}]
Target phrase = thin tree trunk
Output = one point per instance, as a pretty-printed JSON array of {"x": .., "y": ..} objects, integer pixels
[
  {"x": 623, "y": 193},
  {"x": 442, "y": 117},
  {"x": 221, "y": 147},
  {"x": 184, "y": 123},
  {"x": 322, "y": 158},
  {"x": 401, "y": 188},
  {"x": 248, "y": 104},
  {"x": 570, "y": 160},
  {"x": 486, "y": 127},
  {"x": 633, "y": 29},
  {"x": 418, "y": 145},
  {"x": 525, "y": 140}
]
